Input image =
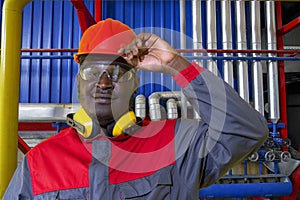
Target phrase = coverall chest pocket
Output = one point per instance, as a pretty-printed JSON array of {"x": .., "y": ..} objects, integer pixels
[
  {"x": 73, "y": 194},
  {"x": 156, "y": 186}
]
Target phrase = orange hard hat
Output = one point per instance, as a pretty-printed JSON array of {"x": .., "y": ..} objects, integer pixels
[{"x": 105, "y": 37}]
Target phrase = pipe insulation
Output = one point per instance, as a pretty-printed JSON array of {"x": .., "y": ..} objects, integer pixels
[
  {"x": 197, "y": 35},
  {"x": 242, "y": 65},
  {"x": 211, "y": 34},
  {"x": 183, "y": 46},
  {"x": 257, "y": 73},
  {"x": 196, "y": 27},
  {"x": 155, "y": 108},
  {"x": 227, "y": 40},
  {"x": 273, "y": 90},
  {"x": 154, "y": 105}
]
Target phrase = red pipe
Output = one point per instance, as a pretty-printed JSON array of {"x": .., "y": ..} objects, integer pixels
[
  {"x": 98, "y": 10},
  {"x": 290, "y": 26},
  {"x": 282, "y": 87},
  {"x": 291, "y": 52},
  {"x": 49, "y": 50},
  {"x": 23, "y": 146},
  {"x": 84, "y": 16}
]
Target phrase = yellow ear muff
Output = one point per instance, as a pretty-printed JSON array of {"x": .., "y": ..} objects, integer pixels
[
  {"x": 124, "y": 122},
  {"x": 85, "y": 121}
]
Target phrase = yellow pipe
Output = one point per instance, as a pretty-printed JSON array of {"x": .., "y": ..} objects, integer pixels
[{"x": 9, "y": 88}]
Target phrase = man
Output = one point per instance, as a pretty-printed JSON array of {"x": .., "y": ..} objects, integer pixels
[{"x": 111, "y": 154}]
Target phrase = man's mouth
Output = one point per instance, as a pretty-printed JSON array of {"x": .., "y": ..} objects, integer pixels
[{"x": 103, "y": 98}]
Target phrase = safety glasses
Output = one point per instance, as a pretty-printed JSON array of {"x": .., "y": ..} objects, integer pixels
[{"x": 117, "y": 72}]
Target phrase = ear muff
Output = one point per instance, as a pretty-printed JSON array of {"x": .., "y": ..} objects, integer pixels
[
  {"x": 82, "y": 122},
  {"x": 85, "y": 126},
  {"x": 124, "y": 122}
]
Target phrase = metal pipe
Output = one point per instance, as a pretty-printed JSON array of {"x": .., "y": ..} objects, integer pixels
[
  {"x": 242, "y": 66},
  {"x": 211, "y": 34},
  {"x": 9, "y": 88},
  {"x": 273, "y": 93},
  {"x": 183, "y": 46},
  {"x": 98, "y": 10},
  {"x": 227, "y": 40},
  {"x": 257, "y": 74},
  {"x": 197, "y": 35},
  {"x": 172, "y": 111},
  {"x": 182, "y": 24},
  {"x": 140, "y": 106},
  {"x": 197, "y": 23},
  {"x": 282, "y": 82},
  {"x": 84, "y": 16},
  {"x": 291, "y": 52},
  {"x": 245, "y": 58},
  {"x": 154, "y": 105}
]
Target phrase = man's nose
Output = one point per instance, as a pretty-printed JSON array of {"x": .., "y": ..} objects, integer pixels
[{"x": 105, "y": 81}]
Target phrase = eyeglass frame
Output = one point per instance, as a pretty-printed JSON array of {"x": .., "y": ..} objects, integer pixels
[{"x": 127, "y": 67}]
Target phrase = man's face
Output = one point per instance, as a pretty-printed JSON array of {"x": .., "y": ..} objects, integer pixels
[{"x": 105, "y": 88}]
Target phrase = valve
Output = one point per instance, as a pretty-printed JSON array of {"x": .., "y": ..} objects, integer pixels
[
  {"x": 285, "y": 156},
  {"x": 270, "y": 156},
  {"x": 254, "y": 157}
]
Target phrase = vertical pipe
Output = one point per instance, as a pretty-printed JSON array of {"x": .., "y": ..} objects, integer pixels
[
  {"x": 9, "y": 88},
  {"x": 283, "y": 112},
  {"x": 140, "y": 106},
  {"x": 273, "y": 90},
  {"x": 211, "y": 34},
  {"x": 197, "y": 35},
  {"x": 242, "y": 66},
  {"x": 183, "y": 46},
  {"x": 227, "y": 40},
  {"x": 257, "y": 74},
  {"x": 98, "y": 10},
  {"x": 182, "y": 24},
  {"x": 172, "y": 112}
]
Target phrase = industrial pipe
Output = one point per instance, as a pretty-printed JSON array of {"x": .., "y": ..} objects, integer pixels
[
  {"x": 172, "y": 112},
  {"x": 9, "y": 88},
  {"x": 257, "y": 74},
  {"x": 183, "y": 46},
  {"x": 197, "y": 35},
  {"x": 154, "y": 105},
  {"x": 84, "y": 16},
  {"x": 274, "y": 112},
  {"x": 197, "y": 23},
  {"x": 242, "y": 66},
  {"x": 227, "y": 40},
  {"x": 140, "y": 106},
  {"x": 211, "y": 34}
]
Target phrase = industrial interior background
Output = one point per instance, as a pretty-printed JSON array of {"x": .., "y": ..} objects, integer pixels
[{"x": 264, "y": 35}]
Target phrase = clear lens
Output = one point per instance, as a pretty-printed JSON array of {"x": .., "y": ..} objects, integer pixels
[{"x": 94, "y": 70}]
